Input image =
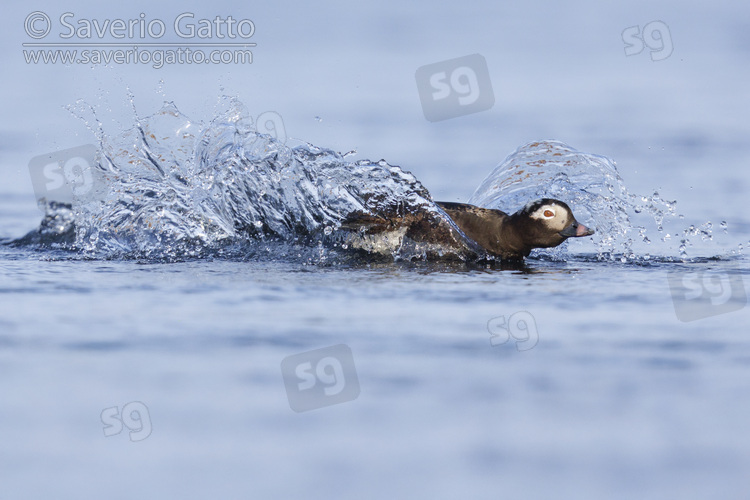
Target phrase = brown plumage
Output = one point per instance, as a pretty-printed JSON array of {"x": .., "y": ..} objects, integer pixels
[{"x": 540, "y": 224}]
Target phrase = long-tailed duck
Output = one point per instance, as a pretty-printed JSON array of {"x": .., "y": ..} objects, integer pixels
[{"x": 542, "y": 223}]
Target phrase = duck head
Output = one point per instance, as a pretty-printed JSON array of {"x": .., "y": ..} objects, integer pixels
[{"x": 547, "y": 223}]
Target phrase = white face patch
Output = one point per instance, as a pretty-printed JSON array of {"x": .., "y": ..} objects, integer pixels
[{"x": 554, "y": 216}]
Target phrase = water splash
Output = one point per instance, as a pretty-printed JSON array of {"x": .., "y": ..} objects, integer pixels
[
  {"x": 626, "y": 223},
  {"x": 172, "y": 187}
]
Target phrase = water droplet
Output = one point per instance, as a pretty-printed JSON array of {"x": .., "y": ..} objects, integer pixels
[{"x": 683, "y": 249}]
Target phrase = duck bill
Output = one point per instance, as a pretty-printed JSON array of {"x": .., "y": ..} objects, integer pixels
[{"x": 576, "y": 230}]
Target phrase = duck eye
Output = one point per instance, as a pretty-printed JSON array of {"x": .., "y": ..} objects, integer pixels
[{"x": 549, "y": 214}]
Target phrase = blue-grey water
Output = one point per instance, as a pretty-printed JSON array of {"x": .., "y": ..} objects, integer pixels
[{"x": 629, "y": 378}]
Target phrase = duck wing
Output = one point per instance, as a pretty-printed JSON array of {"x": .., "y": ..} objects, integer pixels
[{"x": 427, "y": 230}]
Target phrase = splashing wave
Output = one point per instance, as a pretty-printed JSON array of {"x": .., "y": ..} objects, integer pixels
[
  {"x": 587, "y": 182},
  {"x": 171, "y": 188},
  {"x": 168, "y": 187}
]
